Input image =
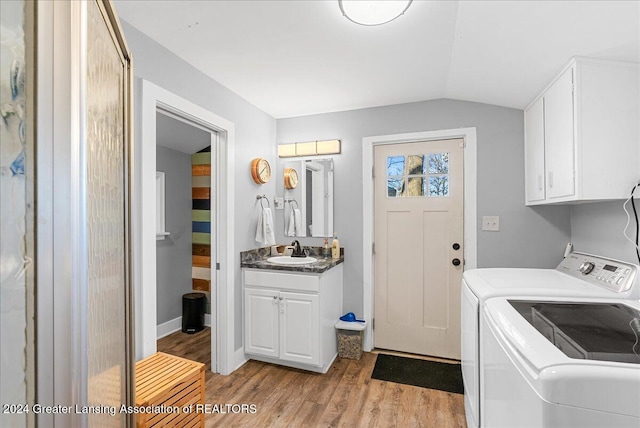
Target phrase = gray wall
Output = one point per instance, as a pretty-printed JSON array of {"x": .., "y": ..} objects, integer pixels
[
  {"x": 255, "y": 133},
  {"x": 173, "y": 254},
  {"x": 528, "y": 237},
  {"x": 597, "y": 228}
]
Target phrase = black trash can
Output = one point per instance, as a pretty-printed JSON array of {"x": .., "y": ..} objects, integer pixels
[{"x": 193, "y": 307}]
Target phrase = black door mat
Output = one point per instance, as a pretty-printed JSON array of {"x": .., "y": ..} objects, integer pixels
[{"x": 423, "y": 373}]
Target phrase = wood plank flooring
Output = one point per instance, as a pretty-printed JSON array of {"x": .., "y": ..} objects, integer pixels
[{"x": 345, "y": 396}]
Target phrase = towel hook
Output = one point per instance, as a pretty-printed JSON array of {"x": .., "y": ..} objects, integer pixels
[{"x": 261, "y": 198}]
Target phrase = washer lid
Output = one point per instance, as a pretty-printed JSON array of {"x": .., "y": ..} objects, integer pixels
[
  {"x": 591, "y": 331},
  {"x": 606, "y": 386}
]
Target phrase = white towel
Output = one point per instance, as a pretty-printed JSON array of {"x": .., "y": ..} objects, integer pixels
[
  {"x": 291, "y": 231},
  {"x": 297, "y": 220},
  {"x": 264, "y": 233}
]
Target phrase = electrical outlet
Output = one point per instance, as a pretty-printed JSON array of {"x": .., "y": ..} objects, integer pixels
[{"x": 491, "y": 223}]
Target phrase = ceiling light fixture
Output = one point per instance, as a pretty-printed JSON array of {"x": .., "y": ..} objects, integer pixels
[{"x": 372, "y": 13}]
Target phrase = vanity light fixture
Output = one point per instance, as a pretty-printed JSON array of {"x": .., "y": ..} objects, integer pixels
[
  {"x": 372, "y": 13},
  {"x": 310, "y": 148}
]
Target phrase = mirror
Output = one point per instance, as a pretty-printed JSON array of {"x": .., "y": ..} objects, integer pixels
[{"x": 308, "y": 197}]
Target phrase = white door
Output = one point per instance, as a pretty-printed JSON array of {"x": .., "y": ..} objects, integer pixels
[
  {"x": 261, "y": 322},
  {"x": 300, "y": 328},
  {"x": 418, "y": 247}
]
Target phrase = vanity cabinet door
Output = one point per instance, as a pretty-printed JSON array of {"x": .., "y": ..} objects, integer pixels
[
  {"x": 261, "y": 321},
  {"x": 299, "y": 327}
]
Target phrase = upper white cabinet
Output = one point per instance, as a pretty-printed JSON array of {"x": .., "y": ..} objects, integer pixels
[{"x": 582, "y": 136}]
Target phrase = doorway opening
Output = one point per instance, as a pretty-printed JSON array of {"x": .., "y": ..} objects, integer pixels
[
  {"x": 185, "y": 233},
  {"x": 158, "y": 102}
]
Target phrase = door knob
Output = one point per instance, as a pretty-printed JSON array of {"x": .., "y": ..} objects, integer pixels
[
  {"x": 455, "y": 262},
  {"x": 456, "y": 246}
]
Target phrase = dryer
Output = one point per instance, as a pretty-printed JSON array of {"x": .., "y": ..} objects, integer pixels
[{"x": 579, "y": 275}]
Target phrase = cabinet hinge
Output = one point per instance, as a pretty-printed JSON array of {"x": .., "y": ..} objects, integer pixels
[
  {"x": 217, "y": 266},
  {"x": 373, "y": 324},
  {"x": 373, "y": 172},
  {"x": 373, "y": 248}
]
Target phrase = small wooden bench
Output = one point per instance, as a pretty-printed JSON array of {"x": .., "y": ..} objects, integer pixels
[{"x": 172, "y": 382}]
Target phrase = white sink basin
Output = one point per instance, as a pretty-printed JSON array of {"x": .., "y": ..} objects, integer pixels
[{"x": 288, "y": 260}]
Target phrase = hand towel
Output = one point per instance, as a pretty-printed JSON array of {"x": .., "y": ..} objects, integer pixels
[
  {"x": 264, "y": 233},
  {"x": 291, "y": 231},
  {"x": 297, "y": 219}
]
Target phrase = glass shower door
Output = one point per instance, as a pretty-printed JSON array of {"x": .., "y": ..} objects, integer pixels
[{"x": 105, "y": 159}]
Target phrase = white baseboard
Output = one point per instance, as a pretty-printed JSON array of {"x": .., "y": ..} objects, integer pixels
[{"x": 171, "y": 326}]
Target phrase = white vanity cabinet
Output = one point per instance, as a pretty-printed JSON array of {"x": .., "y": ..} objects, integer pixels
[
  {"x": 582, "y": 134},
  {"x": 289, "y": 317}
]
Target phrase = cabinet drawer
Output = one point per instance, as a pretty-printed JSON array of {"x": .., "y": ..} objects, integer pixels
[{"x": 289, "y": 281}]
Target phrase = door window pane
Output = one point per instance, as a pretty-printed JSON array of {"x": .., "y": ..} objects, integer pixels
[
  {"x": 395, "y": 165},
  {"x": 395, "y": 187},
  {"x": 438, "y": 163},
  {"x": 439, "y": 185},
  {"x": 417, "y": 186},
  {"x": 416, "y": 164}
]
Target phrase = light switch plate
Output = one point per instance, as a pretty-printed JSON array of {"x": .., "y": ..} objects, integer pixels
[
  {"x": 278, "y": 201},
  {"x": 491, "y": 223}
]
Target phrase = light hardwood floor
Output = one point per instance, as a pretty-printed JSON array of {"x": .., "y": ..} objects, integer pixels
[{"x": 345, "y": 396}]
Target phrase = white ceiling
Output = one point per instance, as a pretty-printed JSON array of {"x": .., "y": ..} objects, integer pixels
[
  {"x": 293, "y": 58},
  {"x": 177, "y": 135}
]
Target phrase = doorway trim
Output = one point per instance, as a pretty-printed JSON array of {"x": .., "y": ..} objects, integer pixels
[
  {"x": 153, "y": 98},
  {"x": 470, "y": 209}
]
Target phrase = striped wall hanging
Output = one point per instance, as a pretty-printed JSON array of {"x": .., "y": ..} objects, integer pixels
[{"x": 201, "y": 223}]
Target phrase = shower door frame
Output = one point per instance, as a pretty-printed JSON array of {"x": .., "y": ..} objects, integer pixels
[{"x": 60, "y": 122}]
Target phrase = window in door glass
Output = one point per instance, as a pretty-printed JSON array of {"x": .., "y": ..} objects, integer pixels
[
  {"x": 395, "y": 165},
  {"x": 418, "y": 175},
  {"x": 417, "y": 164},
  {"x": 416, "y": 186},
  {"x": 438, "y": 163},
  {"x": 439, "y": 185},
  {"x": 395, "y": 176},
  {"x": 438, "y": 174},
  {"x": 395, "y": 187}
]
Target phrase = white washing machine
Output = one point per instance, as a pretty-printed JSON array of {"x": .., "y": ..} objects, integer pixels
[
  {"x": 577, "y": 276},
  {"x": 561, "y": 362}
]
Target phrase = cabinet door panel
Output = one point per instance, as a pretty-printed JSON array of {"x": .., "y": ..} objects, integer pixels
[
  {"x": 261, "y": 322},
  {"x": 559, "y": 137},
  {"x": 534, "y": 151},
  {"x": 300, "y": 328}
]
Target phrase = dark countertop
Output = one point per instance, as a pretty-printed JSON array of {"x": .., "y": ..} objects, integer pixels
[{"x": 257, "y": 259}]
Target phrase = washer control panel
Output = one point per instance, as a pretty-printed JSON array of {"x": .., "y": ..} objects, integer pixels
[{"x": 614, "y": 275}]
